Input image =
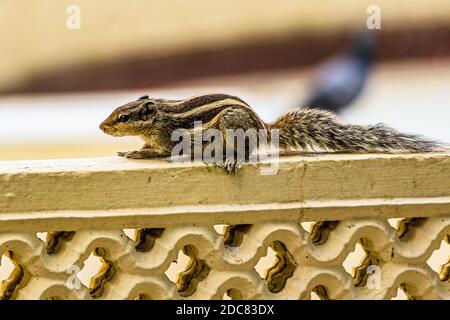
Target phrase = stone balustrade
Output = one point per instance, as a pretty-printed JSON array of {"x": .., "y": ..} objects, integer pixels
[{"x": 111, "y": 228}]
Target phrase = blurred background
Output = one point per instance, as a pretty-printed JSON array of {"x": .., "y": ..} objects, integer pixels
[{"x": 65, "y": 65}]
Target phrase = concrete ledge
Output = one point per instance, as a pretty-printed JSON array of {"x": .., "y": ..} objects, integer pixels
[{"x": 114, "y": 192}]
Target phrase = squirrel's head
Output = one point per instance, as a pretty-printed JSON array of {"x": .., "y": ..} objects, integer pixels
[{"x": 131, "y": 118}]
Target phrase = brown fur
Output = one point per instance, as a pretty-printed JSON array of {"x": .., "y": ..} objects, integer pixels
[{"x": 299, "y": 129}]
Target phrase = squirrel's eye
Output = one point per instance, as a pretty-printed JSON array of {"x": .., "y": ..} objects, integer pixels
[{"x": 124, "y": 118}]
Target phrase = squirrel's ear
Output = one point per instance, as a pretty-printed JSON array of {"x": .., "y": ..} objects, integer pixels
[
  {"x": 143, "y": 97},
  {"x": 147, "y": 109}
]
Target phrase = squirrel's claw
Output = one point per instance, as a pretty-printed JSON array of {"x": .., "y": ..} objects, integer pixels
[{"x": 230, "y": 166}]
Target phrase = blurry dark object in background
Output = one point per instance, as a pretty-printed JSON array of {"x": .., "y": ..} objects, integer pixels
[{"x": 341, "y": 79}]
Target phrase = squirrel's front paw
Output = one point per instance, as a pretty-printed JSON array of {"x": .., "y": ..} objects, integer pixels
[{"x": 132, "y": 154}]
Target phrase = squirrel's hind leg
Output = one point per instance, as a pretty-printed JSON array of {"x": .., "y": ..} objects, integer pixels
[{"x": 238, "y": 128}]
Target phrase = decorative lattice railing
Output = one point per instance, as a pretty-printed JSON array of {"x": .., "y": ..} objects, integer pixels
[{"x": 328, "y": 226}]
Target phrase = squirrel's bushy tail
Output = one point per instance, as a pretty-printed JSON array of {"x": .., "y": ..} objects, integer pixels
[{"x": 313, "y": 129}]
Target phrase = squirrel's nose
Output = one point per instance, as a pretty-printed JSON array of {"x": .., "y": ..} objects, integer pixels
[{"x": 102, "y": 126}]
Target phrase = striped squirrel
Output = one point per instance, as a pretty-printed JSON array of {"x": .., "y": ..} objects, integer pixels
[{"x": 154, "y": 120}]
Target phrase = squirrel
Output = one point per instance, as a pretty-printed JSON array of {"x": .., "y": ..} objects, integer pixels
[{"x": 299, "y": 129}]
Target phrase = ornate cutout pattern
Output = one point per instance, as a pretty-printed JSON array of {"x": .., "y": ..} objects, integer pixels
[{"x": 214, "y": 271}]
